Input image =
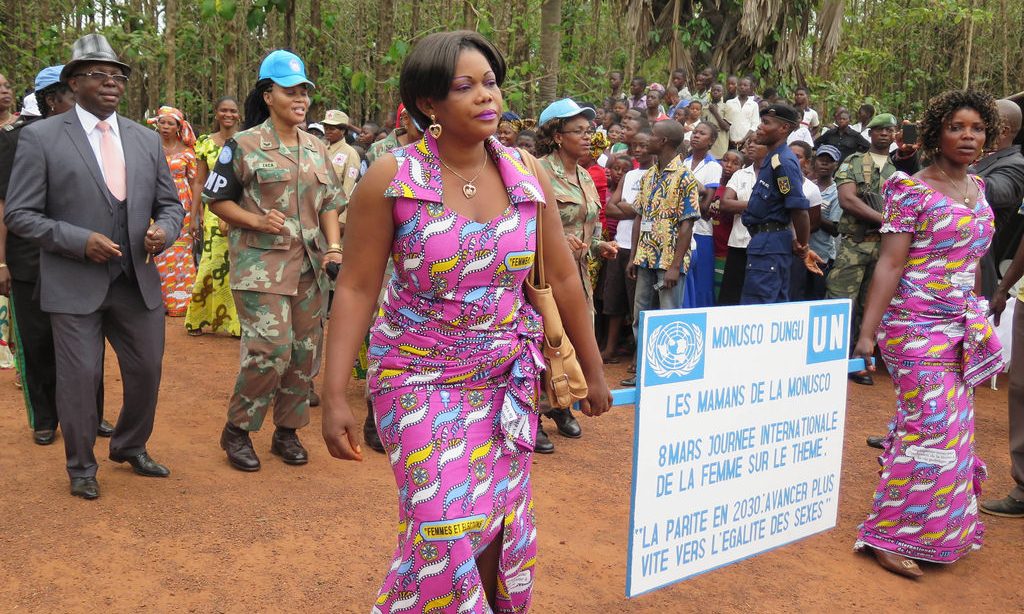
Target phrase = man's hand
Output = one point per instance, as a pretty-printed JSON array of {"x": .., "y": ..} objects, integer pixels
[
  {"x": 631, "y": 270},
  {"x": 156, "y": 239},
  {"x": 671, "y": 277},
  {"x": 5, "y": 281},
  {"x": 906, "y": 149},
  {"x": 997, "y": 305},
  {"x": 99, "y": 248},
  {"x": 271, "y": 222},
  {"x": 812, "y": 260},
  {"x": 608, "y": 250},
  {"x": 575, "y": 244}
]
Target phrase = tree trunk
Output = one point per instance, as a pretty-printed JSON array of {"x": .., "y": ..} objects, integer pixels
[
  {"x": 289, "y": 25},
  {"x": 970, "y": 44},
  {"x": 550, "y": 48},
  {"x": 385, "y": 32},
  {"x": 170, "y": 48},
  {"x": 468, "y": 15}
]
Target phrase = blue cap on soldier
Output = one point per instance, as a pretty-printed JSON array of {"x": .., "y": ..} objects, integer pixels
[
  {"x": 48, "y": 76},
  {"x": 564, "y": 108},
  {"x": 284, "y": 68}
]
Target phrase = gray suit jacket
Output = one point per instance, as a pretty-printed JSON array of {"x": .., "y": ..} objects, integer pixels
[{"x": 57, "y": 198}]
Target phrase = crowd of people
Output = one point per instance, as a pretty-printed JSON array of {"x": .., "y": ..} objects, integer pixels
[{"x": 689, "y": 194}]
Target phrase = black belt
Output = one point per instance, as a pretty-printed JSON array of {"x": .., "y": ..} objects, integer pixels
[{"x": 766, "y": 227}]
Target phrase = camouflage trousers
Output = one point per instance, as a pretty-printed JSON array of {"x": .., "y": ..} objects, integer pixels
[
  {"x": 850, "y": 277},
  {"x": 280, "y": 345}
]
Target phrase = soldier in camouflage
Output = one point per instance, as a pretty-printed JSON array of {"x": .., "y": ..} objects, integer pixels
[
  {"x": 859, "y": 182},
  {"x": 276, "y": 187}
]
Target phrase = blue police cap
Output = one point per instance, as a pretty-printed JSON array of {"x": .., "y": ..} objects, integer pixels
[
  {"x": 284, "y": 68},
  {"x": 48, "y": 76},
  {"x": 563, "y": 108}
]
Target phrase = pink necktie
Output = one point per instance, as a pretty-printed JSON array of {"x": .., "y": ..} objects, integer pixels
[{"x": 113, "y": 165}]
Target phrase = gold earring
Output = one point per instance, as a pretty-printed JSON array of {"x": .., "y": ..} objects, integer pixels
[{"x": 434, "y": 128}]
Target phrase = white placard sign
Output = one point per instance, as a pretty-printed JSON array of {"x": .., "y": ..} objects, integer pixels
[{"x": 738, "y": 434}]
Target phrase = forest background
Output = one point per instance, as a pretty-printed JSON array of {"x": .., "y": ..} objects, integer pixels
[{"x": 188, "y": 53}]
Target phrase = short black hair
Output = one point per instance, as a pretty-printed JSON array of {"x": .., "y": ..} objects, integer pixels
[
  {"x": 430, "y": 67},
  {"x": 712, "y": 128},
  {"x": 640, "y": 79},
  {"x": 805, "y": 147},
  {"x": 941, "y": 109},
  {"x": 867, "y": 107}
]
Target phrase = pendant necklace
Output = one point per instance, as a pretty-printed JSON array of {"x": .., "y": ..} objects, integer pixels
[
  {"x": 468, "y": 189},
  {"x": 967, "y": 185}
]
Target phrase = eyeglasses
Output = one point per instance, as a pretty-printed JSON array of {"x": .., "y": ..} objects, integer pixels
[
  {"x": 587, "y": 132},
  {"x": 103, "y": 77}
]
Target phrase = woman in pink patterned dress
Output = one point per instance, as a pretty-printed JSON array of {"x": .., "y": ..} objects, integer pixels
[
  {"x": 176, "y": 264},
  {"x": 454, "y": 356},
  {"x": 936, "y": 342}
]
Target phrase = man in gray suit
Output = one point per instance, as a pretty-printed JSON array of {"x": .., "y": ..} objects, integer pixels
[{"x": 93, "y": 190}]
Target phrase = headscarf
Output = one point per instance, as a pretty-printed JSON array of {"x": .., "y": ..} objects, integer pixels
[
  {"x": 598, "y": 143},
  {"x": 185, "y": 133},
  {"x": 517, "y": 123}
]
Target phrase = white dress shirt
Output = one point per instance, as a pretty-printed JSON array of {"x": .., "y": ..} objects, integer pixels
[
  {"x": 89, "y": 122},
  {"x": 743, "y": 118}
]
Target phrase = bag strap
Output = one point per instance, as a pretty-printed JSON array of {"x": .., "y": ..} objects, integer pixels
[{"x": 537, "y": 275}]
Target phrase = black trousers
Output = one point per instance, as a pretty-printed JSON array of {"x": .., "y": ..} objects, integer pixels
[
  {"x": 39, "y": 368},
  {"x": 137, "y": 335}
]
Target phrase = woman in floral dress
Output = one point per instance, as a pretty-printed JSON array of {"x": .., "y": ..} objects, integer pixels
[
  {"x": 936, "y": 342},
  {"x": 212, "y": 307},
  {"x": 454, "y": 348},
  {"x": 176, "y": 264}
]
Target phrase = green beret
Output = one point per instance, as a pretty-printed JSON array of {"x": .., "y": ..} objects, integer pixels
[{"x": 882, "y": 120}]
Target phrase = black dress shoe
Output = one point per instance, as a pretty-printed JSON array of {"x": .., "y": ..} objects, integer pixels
[
  {"x": 862, "y": 378},
  {"x": 105, "y": 429},
  {"x": 370, "y": 435},
  {"x": 286, "y": 444},
  {"x": 629, "y": 382},
  {"x": 566, "y": 423},
  {"x": 876, "y": 442},
  {"x": 237, "y": 444},
  {"x": 543, "y": 445},
  {"x": 142, "y": 464},
  {"x": 86, "y": 488},
  {"x": 44, "y": 437}
]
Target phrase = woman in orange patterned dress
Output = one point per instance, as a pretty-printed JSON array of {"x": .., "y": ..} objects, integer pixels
[{"x": 176, "y": 264}]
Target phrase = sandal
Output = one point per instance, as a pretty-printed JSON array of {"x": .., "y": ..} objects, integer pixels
[{"x": 897, "y": 564}]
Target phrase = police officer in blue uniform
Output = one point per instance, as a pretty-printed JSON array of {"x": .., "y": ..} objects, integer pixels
[{"x": 776, "y": 213}]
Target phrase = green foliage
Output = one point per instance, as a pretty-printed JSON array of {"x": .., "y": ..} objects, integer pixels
[{"x": 896, "y": 53}]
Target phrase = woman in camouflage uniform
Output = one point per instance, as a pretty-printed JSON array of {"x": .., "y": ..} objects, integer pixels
[
  {"x": 275, "y": 187},
  {"x": 564, "y": 138}
]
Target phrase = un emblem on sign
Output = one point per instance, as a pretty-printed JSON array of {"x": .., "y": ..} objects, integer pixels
[{"x": 675, "y": 349}]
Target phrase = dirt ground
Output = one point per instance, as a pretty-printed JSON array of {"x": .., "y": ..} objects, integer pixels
[{"x": 318, "y": 538}]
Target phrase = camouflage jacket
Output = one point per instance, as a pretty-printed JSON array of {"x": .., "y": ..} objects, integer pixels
[
  {"x": 259, "y": 173},
  {"x": 861, "y": 170},
  {"x": 578, "y": 202}
]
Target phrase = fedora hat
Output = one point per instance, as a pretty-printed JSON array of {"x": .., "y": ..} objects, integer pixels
[{"x": 92, "y": 48}]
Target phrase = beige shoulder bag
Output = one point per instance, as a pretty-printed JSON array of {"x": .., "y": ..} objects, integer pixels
[{"x": 563, "y": 376}]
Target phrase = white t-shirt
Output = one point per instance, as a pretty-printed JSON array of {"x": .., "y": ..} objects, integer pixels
[
  {"x": 743, "y": 118},
  {"x": 709, "y": 174},
  {"x": 803, "y": 131},
  {"x": 630, "y": 188},
  {"x": 742, "y": 182}
]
